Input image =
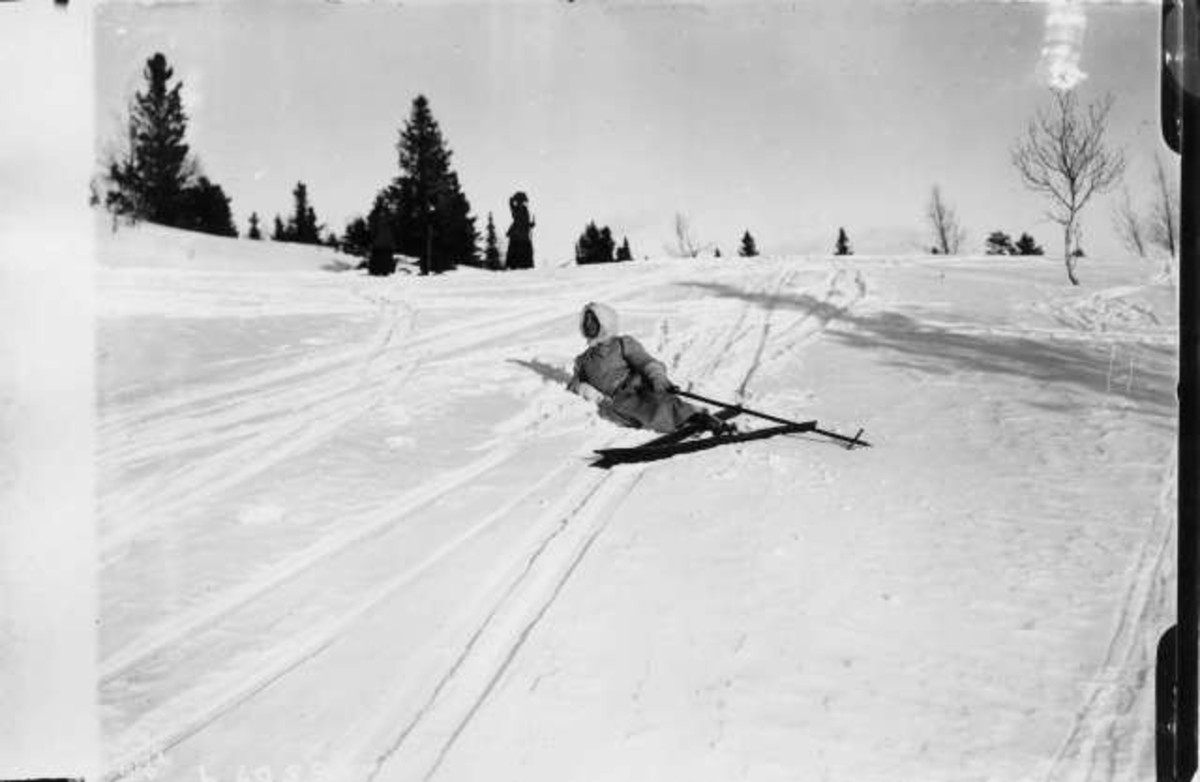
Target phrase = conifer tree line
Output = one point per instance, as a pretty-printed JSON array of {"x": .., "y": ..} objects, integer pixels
[
  {"x": 422, "y": 212},
  {"x": 596, "y": 245}
]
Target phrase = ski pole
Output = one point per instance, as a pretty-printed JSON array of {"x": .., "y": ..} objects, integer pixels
[
  {"x": 729, "y": 406},
  {"x": 850, "y": 441}
]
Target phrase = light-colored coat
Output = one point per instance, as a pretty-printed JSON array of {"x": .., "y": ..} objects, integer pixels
[{"x": 628, "y": 383}]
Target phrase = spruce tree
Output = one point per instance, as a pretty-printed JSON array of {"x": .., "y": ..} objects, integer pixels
[
  {"x": 157, "y": 180},
  {"x": 748, "y": 249},
  {"x": 430, "y": 214},
  {"x": 148, "y": 183},
  {"x": 1000, "y": 243},
  {"x": 1026, "y": 245},
  {"x": 280, "y": 233},
  {"x": 491, "y": 252},
  {"x": 595, "y": 245},
  {"x": 843, "y": 243},
  {"x": 302, "y": 227},
  {"x": 356, "y": 238},
  {"x": 254, "y": 232},
  {"x": 623, "y": 252},
  {"x": 204, "y": 207},
  {"x": 607, "y": 246}
]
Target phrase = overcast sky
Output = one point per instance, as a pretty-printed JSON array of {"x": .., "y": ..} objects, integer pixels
[{"x": 787, "y": 119}]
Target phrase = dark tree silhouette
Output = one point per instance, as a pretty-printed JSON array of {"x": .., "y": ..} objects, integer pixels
[
  {"x": 205, "y": 207},
  {"x": 520, "y": 246},
  {"x": 595, "y": 245},
  {"x": 255, "y": 232},
  {"x": 491, "y": 249},
  {"x": 383, "y": 248},
  {"x": 429, "y": 214},
  {"x": 279, "y": 234},
  {"x": 1027, "y": 246},
  {"x": 748, "y": 249},
  {"x": 158, "y": 180},
  {"x": 149, "y": 182},
  {"x": 357, "y": 237},
  {"x": 623, "y": 252},
  {"x": 1000, "y": 243}
]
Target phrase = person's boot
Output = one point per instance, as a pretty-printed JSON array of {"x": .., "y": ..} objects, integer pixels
[{"x": 710, "y": 423}]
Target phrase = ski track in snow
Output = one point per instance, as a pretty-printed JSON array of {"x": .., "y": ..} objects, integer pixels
[
  {"x": 256, "y": 422},
  {"x": 420, "y": 749},
  {"x": 221, "y": 435},
  {"x": 245, "y": 401},
  {"x": 1098, "y": 738}
]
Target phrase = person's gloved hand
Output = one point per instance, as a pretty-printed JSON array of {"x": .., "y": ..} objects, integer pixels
[
  {"x": 590, "y": 393},
  {"x": 661, "y": 384}
]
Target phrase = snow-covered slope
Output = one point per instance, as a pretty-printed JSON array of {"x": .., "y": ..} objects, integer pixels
[
  {"x": 349, "y": 526},
  {"x": 146, "y": 245}
]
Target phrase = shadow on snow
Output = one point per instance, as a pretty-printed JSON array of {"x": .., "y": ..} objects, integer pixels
[{"x": 906, "y": 342}]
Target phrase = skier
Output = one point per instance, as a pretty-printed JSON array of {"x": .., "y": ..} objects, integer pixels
[{"x": 630, "y": 386}]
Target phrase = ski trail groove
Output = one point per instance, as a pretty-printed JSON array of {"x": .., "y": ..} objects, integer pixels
[
  {"x": 192, "y": 711},
  {"x": 386, "y": 518},
  {"x": 1125, "y": 677},
  {"x": 425, "y": 742},
  {"x": 526, "y": 631},
  {"x": 286, "y": 422},
  {"x": 206, "y": 707}
]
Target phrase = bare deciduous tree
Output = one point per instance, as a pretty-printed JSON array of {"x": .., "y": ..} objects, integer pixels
[
  {"x": 1128, "y": 225},
  {"x": 948, "y": 235},
  {"x": 1164, "y": 215},
  {"x": 1063, "y": 156}
]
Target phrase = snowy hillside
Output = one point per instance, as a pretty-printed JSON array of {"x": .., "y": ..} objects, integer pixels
[{"x": 349, "y": 527}]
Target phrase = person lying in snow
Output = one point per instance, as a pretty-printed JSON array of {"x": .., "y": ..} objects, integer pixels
[{"x": 630, "y": 386}]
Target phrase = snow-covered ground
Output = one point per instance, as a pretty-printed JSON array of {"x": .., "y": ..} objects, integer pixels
[{"x": 349, "y": 528}]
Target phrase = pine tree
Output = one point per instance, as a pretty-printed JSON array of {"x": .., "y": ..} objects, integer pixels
[
  {"x": 749, "y": 249},
  {"x": 1000, "y": 243},
  {"x": 623, "y": 252},
  {"x": 595, "y": 245},
  {"x": 356, "y": 238},
  {"x": 607, "y": 246},
  {"x": 843, "y": 243},
  {"x": 254, "y": 232},
  {"x": 1027, "y": 246},
  {"x": 430, "y": 214},
  {"x": 302, "y": 227},
  {"x": 204, "y": 207},
  {"x": 280, "y": 233},
  {"x": 148, "y": 183},
  {"x": 491, "y": 252}
]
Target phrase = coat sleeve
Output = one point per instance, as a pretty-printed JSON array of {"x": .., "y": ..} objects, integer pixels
[
  {"x": 649, "y": 367},
  {"x": 576, "y": 376},
  {"x": 577, "y": 384}
]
